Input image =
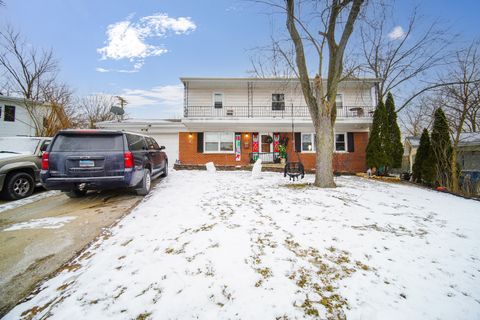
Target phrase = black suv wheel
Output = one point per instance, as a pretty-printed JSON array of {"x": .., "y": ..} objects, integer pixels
[
  {"x": 165, "y": 171},
  {"x": 145, "y": 184},
  {"x": 18, "y": 186}
]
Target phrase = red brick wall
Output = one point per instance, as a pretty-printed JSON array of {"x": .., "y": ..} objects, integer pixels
[
  {"x": 188, "y": 151},
  {"x": 342, "y": 162}
]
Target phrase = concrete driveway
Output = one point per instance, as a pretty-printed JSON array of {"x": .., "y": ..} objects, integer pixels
[{"x": 37, "y": 238}]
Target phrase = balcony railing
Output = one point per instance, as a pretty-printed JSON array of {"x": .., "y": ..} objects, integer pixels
[{"x": 268, "y": 112}]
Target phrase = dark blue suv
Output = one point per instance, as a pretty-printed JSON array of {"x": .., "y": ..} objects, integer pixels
[{"x": 81, "y": 160}]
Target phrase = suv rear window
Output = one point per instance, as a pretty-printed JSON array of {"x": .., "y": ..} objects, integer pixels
[{"x": 88, "y": 142}]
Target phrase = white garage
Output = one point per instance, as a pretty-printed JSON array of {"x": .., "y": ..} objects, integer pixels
[
  {"x": 164, "y": 131},
  {"x": 170, "y": 141}
]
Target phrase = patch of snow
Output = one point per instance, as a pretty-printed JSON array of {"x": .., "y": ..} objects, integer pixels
[
  {"x": 241, "y": 248},
  {"x": 43, "y": 223},
  {"x": 257, "y": 169},
  {"x": 18, "y": 203},
  {"x": 210, "y": 167}
]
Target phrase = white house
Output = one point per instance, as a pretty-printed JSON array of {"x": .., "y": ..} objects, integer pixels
[{"x": 15, "y": 120}]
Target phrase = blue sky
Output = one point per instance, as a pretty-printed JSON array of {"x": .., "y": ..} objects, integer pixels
[{"x": 169, "y": 39}]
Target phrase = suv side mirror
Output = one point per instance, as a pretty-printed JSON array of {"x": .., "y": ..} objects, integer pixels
[{"x": 162, "y": 147}]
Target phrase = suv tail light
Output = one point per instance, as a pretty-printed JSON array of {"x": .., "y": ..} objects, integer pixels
[
  {"x": 45, "y": 161},
  {"x": 128, "y": 160}
]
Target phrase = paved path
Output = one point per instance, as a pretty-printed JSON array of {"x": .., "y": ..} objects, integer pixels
[{"x": 38, "y": 238}]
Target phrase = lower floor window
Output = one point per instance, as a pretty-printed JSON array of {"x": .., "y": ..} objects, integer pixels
[
  {"x": 340, "y": 142},
  {"x": 309, "y": 142},
  {"x": 219, "y": 141}
]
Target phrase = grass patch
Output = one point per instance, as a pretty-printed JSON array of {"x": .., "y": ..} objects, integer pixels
[{"x": 297, "y": 185}]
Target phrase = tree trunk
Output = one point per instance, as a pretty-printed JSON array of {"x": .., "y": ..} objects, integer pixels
[
  {"x": 324, "y": 152},
  {"x": 455, "y": 187}
]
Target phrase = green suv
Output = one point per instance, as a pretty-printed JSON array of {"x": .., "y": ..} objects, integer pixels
[{"x": 20, "y": 164}]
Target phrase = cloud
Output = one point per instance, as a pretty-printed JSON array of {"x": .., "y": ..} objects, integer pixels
[
  {"x": 136, "y": 67},
  {"x": 98, "y": 69},
  {"x": 396, "y": 33},
  {"x": 167, "y": 97},
  {"x": 131, "y": 40}
]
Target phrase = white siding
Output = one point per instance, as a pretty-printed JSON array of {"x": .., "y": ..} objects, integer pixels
[
  {"x": 262, "y": 95},
  {"x": 22, "y": 126}
]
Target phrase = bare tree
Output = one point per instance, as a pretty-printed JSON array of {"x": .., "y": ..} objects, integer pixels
[
  {"x": 272, "y": 60},
  {"x": 96, "y": 108},
  {"x": 31, "y": 74},
  {"x": 417, "y": 117},
  {"x": 398, "y": 56},
  {"x": 337, "y": 19},
  {"x": 461, "y": 101}
]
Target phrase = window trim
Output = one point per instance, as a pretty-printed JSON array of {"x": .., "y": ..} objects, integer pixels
[
  {"x": 213, "y": 99},
  {"x": 271, "y": 100},
  {"x": 335, "y": 142},
  {"x": 218, "y": 151}
]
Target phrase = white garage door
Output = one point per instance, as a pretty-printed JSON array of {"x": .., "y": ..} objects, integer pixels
[{"x": 170, "y": 141}]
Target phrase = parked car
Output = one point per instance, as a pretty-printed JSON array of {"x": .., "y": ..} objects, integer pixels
[
  {"x": 81, "y": 160},
  {"x": 20, "y": 163}
]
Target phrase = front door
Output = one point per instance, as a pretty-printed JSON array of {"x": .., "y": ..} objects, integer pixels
[{"x": 266, "y": 147}]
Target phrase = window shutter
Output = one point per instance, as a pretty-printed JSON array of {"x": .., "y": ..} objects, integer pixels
[
  {"x": 350, "y": 142},
  {"x": 298, "y": 142},
  {"x": 200, "y": 142}
]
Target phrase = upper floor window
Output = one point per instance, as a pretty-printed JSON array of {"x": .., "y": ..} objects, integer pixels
[
  {"x": 339, "y": 100},
  {"x": 218, "y": 100},
  {"x": 219, "y": 142},
  {"x": 278, "y": 101},
  {"x": 9, "y": 114}
]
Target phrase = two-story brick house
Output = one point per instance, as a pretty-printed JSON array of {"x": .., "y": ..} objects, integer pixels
[{"x": 233, "y": 121}]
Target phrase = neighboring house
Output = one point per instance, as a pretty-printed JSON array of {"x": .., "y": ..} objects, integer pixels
[
  {"x": 15, "y": 120},
  {"x": 410, "y": 146},
  {"x": 164, "y": 131},
  {"x": 234, "y": 121},
  {"x": 469, "y": 151}
]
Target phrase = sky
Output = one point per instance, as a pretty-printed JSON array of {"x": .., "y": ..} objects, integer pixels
[{"x": 139, "y": 49}]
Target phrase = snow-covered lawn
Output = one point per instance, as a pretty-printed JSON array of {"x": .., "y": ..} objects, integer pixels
[{"x": 225, "y": 246}]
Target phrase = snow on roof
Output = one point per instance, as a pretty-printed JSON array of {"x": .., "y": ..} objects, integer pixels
[
  {"x": 469, "y": 139},
  {"x": 143, "y": 121}
]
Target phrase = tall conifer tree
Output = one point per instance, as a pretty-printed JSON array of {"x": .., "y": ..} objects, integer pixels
[
  {"x": 424, "y": 167},
  {"x": 394, "y": 142},
  {"x": 378, "y": 145},
  {"x": 441, "y": 148}
]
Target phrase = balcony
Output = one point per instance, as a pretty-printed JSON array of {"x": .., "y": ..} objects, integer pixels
[{"x": 267, "y": 112}]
